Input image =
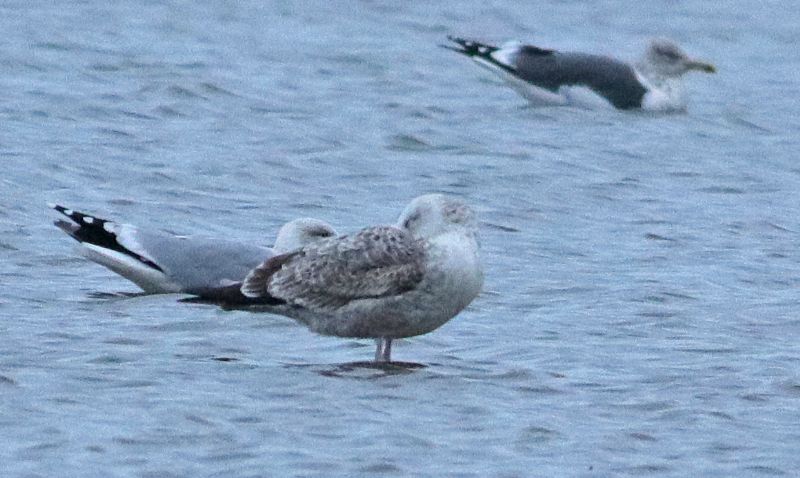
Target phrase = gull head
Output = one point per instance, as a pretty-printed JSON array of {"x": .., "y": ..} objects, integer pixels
[
  {"x": 430, "y": 215},
  {"x": 301, "y": 232},
  {"x": 665, "y": 58}
]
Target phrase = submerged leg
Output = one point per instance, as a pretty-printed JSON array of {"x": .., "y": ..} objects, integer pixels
[{"x": 383, "y": 351}]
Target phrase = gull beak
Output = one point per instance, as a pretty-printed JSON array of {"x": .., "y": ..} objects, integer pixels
[{"x": 701, "y": 66}]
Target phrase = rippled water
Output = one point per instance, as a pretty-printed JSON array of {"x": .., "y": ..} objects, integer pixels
[{"x": 640, "y": 313}]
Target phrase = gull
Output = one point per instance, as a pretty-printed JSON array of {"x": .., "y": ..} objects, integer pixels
[
  {"x": 554, "y": 78},
  {"x": 383, "y": 282},
  {"x": 163, "y": 263}
]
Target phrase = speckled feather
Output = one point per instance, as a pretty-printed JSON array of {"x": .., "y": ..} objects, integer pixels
[{"x": 375, "y": 262}]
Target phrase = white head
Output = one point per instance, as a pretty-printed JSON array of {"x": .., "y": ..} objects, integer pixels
[
  {"x": 433, "y": 214},
  {"x": 665, "y": 58},
  {"x": 300, "y": 232}
]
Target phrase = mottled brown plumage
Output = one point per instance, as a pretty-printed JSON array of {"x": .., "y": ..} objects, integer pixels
[
  {"x": 373, "y": 263},
  {"x": 384, "y": 282}
]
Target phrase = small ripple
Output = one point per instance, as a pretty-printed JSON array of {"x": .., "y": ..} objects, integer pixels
[
  {"x": 721, "y": 190},
  {"x": 722, "y": 415},
  {"x": 123, "y": 341},
  {"x": 755, "y": 397},
  {"x": 537, "y": 434},
  {"x": 792, "y": 388},
  {"x": 656, "y": 314},
  {"x": 382, "y": 469},
  {"x": 499, "y": 227},
  {"x": 230, "y": 456},
  {"x": 169, "y": 112},
  {"x": 685, "y": 174},
  {"x": 198, "y": 419},
  {"x": 137, "y": 115},
  {"x": 225, "y": 359},
  {"x": 133, "y": 384},
  {"x": 214, "y": 89},
  {"x": 247, "y": 419},
  {"x": 779, "y": 227},
  {"x": 650, "y": 406},
  {"x": 183, "y": 93},
  {"x": 655, "y": 237},
  {"x": 108, "y": 359},
  {"x": 105, "y": 67},
  {"x": 8, "y": 247},
  {"x": 405, "y": 142},
  {"x": 739, "y": 121},
  {"x": 641, "y": 436},
  {"x": 766, "y": 470},
  {"x": 540, "y": 390},
  {"x": 648, "y": 469},
  {"x": 192, "y": 65},
  {"x": 116, "y": 132},
  {"x": 709, "y": 350},
  {"x": 371, "y": 370},
  {"x": 56, "y": 46}
]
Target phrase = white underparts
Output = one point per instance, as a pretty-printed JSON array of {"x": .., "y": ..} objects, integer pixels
[
  {"x": 146, "y": 277},
  {"x": 666, "y": 95},
  {"x": 535, "y": 95}
]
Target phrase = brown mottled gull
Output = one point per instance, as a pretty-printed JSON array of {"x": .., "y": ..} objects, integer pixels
[{"x": 382, "y": 282}]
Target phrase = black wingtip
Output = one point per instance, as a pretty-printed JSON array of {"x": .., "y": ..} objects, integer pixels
[
  {"x": 230, "y": 297},
  {"x": 66, "y": 226},
  {"x": 448, "y": 47},
  {"x": 466, "y": 47},
  {"x": 78, "y": 217},
  {"x": 63, "y": 210}
]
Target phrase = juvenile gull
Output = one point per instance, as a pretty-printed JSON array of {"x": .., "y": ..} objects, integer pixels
[
  {"x": 383, "y": 282},
  {"x": 554, "y": 78},
  {"x": 162, "y": 263}
]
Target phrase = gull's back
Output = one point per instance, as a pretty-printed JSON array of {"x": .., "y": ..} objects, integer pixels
[{"x": 612, "y": 79}]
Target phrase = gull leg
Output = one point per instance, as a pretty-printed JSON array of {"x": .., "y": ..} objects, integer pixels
[{"x": 383, "y": 350}]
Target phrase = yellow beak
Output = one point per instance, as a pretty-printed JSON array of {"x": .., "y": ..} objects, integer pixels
[{"x": 702, "y": 66}]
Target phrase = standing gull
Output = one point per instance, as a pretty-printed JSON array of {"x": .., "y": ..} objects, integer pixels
[
  {"x": 162, "y": 263},
  {"x": 554, "y": 78},
  {"x": 383, "y": 282}
]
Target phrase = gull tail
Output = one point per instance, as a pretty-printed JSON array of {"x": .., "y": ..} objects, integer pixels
[
  {"x": 470, "y": 48},
  {"x": 256, "y": 284},
  {"x": 114, "y": 246},
  {"x": 498, "y": 59}
]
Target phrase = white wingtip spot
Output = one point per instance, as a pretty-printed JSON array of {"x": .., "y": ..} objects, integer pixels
[
  {"x": 88, "y": 219},
  {"x": 109, "y": 227},
  {"x": 507, "y": 55},
  {"x": 69, "y": 212},
  {"x": 52, "y": 205}
]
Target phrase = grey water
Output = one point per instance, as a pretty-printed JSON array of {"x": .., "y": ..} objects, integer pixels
[{"x": 640, "y": 311}]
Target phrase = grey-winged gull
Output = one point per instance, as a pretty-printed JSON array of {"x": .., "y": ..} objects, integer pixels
[
  {"x": 383, "y": 282},
  {"x": 159, "y": 262},
  {"x": 553, "y": 78}
]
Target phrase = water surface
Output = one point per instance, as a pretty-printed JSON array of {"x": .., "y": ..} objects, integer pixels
[{"x": 639, "y": 316}]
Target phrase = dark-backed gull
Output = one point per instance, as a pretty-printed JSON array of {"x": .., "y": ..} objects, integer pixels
[{"x": 553, "y": 78}]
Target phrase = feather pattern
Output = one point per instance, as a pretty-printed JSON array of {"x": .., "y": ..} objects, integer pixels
[{"x": 373, "y": 263}]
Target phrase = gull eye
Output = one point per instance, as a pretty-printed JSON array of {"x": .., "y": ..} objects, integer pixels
[
  {"x": 410, "y": 220},
  {"x": 322, "y": 232},
  {"x": 668, "y": 53}
]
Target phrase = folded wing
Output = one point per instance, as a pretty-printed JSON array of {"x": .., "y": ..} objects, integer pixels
[{"x": 377, "y": 262}]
